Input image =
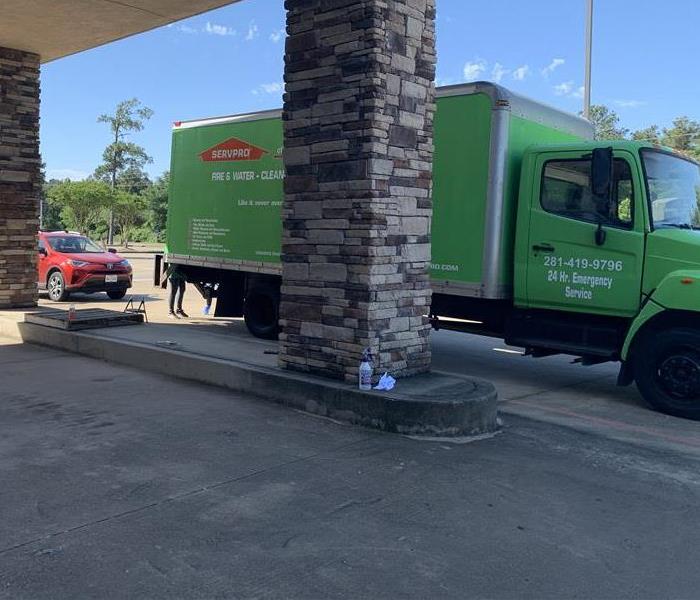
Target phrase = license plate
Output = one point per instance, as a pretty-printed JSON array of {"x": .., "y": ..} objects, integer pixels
[{"x": 111, "y": 278}]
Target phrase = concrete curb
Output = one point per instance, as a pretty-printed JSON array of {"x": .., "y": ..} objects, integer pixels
[{"x": 436, "y": 404}]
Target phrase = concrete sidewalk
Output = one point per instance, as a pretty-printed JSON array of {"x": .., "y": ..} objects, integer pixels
[{"x": 122, "y": 484}]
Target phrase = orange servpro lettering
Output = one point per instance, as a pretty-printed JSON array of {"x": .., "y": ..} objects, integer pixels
[{"x": 232, "y": 150}]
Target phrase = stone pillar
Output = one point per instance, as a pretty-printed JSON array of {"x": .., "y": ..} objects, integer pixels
[
  {"x": 20, "y": 177},
  {"x": 358, "y": 123}
]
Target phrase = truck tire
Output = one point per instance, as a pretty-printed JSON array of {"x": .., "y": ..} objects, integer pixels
[
  {"x": 667, "y": 371},
  {"x": 56, "y": 287},
  {"x": 261, "y": 312}
]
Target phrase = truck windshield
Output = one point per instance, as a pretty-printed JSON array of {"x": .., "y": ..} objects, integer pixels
[{"x": 674, "y": 190}]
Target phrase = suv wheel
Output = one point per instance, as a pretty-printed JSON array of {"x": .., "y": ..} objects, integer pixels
[
  {"x": 116, "y": 294},
  {"x": 667, "y": 371},
  {"x": 57, "y": 287}
]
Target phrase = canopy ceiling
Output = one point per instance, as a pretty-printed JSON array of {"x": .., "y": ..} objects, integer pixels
[{"x": 56, "y": 28}]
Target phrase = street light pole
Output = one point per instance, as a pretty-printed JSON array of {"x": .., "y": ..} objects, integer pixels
[{"x": 589, "y": 49}]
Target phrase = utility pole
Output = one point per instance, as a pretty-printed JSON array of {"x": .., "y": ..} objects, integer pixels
[{"x": 589, "y": 50}]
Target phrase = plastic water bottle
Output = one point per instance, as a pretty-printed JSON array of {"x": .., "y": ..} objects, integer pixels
[
  {"x": 71, "y": 312},
  {"x": 366, "y": 370}
]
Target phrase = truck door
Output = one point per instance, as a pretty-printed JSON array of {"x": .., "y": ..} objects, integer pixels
[{"x": 585, "y": 253}]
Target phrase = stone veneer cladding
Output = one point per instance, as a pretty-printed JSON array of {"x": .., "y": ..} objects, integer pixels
[
  {"x": 358, "y": 124},
  {"x": 20, "y": 177}
]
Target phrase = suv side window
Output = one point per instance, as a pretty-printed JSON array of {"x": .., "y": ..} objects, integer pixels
[
  {"x": 566, "y": 191},
  {"x": 42, "y": 245}
]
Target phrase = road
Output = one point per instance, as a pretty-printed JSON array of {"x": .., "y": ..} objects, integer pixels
[{"x": 117, "y": 483}]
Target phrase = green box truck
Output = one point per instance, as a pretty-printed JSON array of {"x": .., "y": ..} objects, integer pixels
[{"x": 540, "y": 235}]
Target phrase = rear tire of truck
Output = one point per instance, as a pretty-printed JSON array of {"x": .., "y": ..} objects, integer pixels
[
  {"x": 667, "y": 371},
  {"x": 261, "y": 312}
]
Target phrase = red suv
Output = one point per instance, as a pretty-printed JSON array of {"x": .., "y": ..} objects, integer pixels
[{"x": 70, "y": 262}]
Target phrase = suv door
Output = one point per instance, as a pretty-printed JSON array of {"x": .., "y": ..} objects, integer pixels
[{"x": 567, "y": 266}]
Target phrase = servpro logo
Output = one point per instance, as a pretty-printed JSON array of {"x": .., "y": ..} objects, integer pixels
[{"x": 231, "y": 150}]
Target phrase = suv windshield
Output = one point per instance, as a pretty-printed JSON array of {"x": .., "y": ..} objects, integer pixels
[
  {"x": 73, "y": 244},
  {"x": 674, "y": 190}
]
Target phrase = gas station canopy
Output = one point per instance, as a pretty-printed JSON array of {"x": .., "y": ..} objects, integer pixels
[{"x": 57, "y": 28}]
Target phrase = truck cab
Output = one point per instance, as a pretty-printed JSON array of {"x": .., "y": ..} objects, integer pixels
[{"x": 607, "y": 264}]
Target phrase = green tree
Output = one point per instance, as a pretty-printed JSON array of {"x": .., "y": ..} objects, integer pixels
[
  {"x": 157, "y": 198},
  {"x": 607, "y": 123},
  {"x": 129, "y": 210},
  {"x": 133, "y": 181},
  {"x": 50, "y": 211},
  {"x": 120, "y": 156},
  {"x": 82, "y": 203},
  {"x": 648, "y": 134},
  {"x": 684, "y": 136}
]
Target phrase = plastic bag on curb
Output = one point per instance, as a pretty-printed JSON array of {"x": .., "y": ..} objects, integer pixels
[{"x": 386, "y": 383}]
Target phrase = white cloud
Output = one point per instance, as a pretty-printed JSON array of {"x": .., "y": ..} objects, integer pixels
[
  {"x": 253, "y": 31},
  {"x": 630, "y": 103},
  {"x": 214, "y": 29},
  {"x": 72, "y": 174},
  {"x": 564, "y": 89},
  {"x": 568, "y": 89},
  {"x": 276, "y": 36},
  {"x": 186, "y": 29},
  {"x": 209, "y": 29},
  {"x": 473, "y": 70},
  {"x": 269, "y": 88},
  {"x": 498, "y": 72},
  {"x": 553, "y": 66},
  {"x": 521, "y": 73}
]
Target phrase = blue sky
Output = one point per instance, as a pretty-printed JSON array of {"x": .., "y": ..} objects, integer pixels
[{"x": 229, "y": 61}]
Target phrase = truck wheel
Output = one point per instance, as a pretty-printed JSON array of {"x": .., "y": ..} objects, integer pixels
[
  {"x": 57, "y": 287},
  {"x": 667, "y": 371},
  {"x": 261, "y": 312}
]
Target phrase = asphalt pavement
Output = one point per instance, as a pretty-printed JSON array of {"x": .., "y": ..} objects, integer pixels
[{"x": 117, "y": 483}]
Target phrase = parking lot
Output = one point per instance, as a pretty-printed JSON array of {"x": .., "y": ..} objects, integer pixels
[
  {"x": 549, "y": 389},
  {"x": 122, "y": 483}
]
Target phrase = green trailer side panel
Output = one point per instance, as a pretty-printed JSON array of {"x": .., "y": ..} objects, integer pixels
[
  {"x": 522, "y": 133},
  {"x": 227, "y": 209},
  {"x": 460, "y": 184}
]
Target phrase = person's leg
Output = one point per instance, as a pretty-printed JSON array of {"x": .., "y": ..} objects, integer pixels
[
  {"x": 207, "y": 299},
  {"x": 182, "y": 285},
  {"x": 171, "y": 298}
]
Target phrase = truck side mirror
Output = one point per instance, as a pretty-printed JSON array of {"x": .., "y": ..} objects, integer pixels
[{"x": 602, "y": 172}]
